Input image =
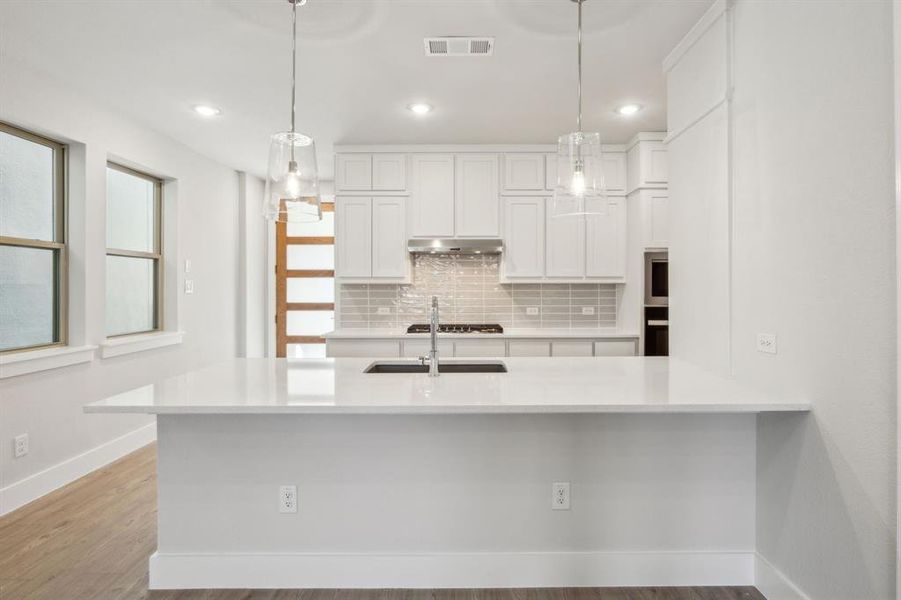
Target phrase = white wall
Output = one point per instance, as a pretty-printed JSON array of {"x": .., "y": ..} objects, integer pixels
[
  {"x": 812, "y": 241},
  {"x": 204, "y": 194},
  {"x": 252, "y": 294}
]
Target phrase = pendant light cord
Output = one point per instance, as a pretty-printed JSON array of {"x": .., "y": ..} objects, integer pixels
[
  {"x": 580, "y": 64},
  {"x": 294, "y": 66}
]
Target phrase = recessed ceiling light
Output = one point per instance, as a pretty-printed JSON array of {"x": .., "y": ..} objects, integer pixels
[
  {"x": 628, "y": 109},
  {"x": 420, "y": 108},
  {"x": 205, "y": 110}
]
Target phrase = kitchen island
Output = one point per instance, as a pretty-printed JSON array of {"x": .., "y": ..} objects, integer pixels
[{"x": 409, "y": 481}]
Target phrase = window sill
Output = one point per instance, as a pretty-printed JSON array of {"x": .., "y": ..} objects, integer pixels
[
  {"x": 139, "y": 343},
  {"x": 32, "y": 361}
]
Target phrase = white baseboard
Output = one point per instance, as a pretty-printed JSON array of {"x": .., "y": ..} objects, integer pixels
[
  {"x": 452, "y": 570},
  {"x": 33, "y": 487},
  {"x": 773, "y": 584}
]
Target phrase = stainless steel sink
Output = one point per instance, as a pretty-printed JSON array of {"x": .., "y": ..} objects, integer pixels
[{"x": 484, "y": 366}]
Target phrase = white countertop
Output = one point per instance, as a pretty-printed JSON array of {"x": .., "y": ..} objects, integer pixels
[
  {"x": 531, "y": 385},
  {"x": 401, "y": 333}
]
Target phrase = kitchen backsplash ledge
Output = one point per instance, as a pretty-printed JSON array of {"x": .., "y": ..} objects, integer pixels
[{"x": 469, "y": 291}]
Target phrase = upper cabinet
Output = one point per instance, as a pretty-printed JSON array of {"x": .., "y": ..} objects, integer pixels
[
  {"x": 476, "y": 207},
  {"x": 564, "y": 241},
  {"x": 647, "y": 162},
  {"x": 605, "y": 239},
  {"x": 524, "y": 237},
  {"x": 613, "y": 164},
  {"x": 431, "y": 212},
  {"x": 371, "y": 238},
  {"x": 364, "y": 172},
  {"x": 524, "y": 172},
  {"x": 353, "y": 236}
]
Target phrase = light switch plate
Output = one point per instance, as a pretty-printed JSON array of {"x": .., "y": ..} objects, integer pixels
[{"x": 766, "y": 343}]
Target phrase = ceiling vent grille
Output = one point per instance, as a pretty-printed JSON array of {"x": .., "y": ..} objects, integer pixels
[{"x": 459, "y": 46}]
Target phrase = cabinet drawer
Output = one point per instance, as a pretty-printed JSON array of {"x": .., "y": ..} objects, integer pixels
[
  {"x": 572, "y": 349},
  {"x": 529, "y": 348},
  {"x": 616, "y": 348},
  {"x": 487, "y": 348},
  {"x": 362, "y": 348},
  {"x": 417, "y": 348}
]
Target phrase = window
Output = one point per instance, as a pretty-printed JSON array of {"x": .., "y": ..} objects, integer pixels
[
  {"x": 133, "y": 252},
  {"x": 32, "y": 241}
]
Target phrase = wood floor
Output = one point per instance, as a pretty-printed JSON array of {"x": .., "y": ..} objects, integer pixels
[{"x": 91, "y": 540}]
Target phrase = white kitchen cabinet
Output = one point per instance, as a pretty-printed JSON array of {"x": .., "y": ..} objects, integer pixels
[
  {"x": 656, "y": 206},
  {"x": 362, "y": 348},
  {"x": 529, "y": 348},
  {"x": 524, "y": 237},
  {"x": 625, "y": 347},
  {"x": 477, "y": 204},
  {"x": 421, "y": 347},
  {"x": 550, "y": 169},
  {"x": 564, "y": 241},
  {"x": 647, "y": 162},
  {"x": 431, "y": 211},
  {"x": 614, "y": 166},
  {"x": 389, "y": 172},
  {"x": 605, "y": 238},
  {"x": 574, "y": 348},
  {"x": 389, "y": 237},
  {"x": 524, "y": 172},
  {"x": 480, "y": 348},
  {"x": 353, "y": 236},
  {"x": 353, "y": 172}
]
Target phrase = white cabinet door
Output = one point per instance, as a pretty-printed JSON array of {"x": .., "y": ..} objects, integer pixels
[
  {"x": 605, "y": 239},
  {"x": 389, "y": 237},
  {"x": 477, "y": 210},
  {"x": 655, "y": 167},
  {"x": 389, "y": 172},
  {"x": 616, "y": 348},
  {"x": 417, "y": 348},
  {"x": 529, "y": 348},
  {"x": 432, "y": 195},
  {"x": 480, "y": 348},
  {"x": 572, "y": 348},
  {"x": 614, "y": 166},
  {"x": 524, "y": 172},
  {"x": 565, "y": 243},
  {"x": 524, "y": 237},
  {"x": 362, "y": 348},
  {"x": 353, "y": 172},
  {"x": 353, "y": 237},
  {"x": 657, "y": 224},
  {"x": 550, "y": 172}
]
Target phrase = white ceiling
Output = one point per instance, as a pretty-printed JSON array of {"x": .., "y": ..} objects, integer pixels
[{"x": 360, "y": 63}]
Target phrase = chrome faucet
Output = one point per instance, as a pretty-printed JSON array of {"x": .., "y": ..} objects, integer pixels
[{"x": 433, "y": 329}]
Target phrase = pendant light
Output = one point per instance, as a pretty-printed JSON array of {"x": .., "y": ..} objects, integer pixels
[
  {"x": 292, "y": 183},
  {"x": 580, "y": 180}
]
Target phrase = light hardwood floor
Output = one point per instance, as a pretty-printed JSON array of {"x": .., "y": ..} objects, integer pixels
[{"x": 91, "y": 540}]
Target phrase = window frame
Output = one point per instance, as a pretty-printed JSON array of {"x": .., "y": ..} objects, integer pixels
[
  {"x": 156, "y": 256},
  {"x": 59, "y": 243}
]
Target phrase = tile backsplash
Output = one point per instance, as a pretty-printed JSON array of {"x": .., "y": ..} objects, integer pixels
[{"x": 468, "y": 292}]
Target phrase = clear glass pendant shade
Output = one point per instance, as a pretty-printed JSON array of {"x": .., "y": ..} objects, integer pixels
[
  {"x": 292, "y": 183},
  {"x": 580, "y": 176}
]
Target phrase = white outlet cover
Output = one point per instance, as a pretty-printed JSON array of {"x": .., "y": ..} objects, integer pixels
[
  {"x": 20, "y": 443},
  {"x": 766, "y": 343},
  {"x": 187, "y": 265},
  {"x": 189, "y": 286},
  {"x": 287, "y": 499},
  {"x": 532, "y": 310},
  {"x": 383, "y": 310},
  {"x": 587, "y": 310},
  {"x": 560, "y": 495}
]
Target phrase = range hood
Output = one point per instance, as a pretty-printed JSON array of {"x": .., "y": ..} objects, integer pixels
[{"x": 455, "y": 246}]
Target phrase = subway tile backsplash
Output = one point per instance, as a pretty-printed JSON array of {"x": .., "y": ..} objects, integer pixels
[{"x": 468, "y": 292}]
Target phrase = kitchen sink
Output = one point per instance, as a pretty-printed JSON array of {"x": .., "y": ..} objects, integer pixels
[{"x": 485, "y": 366}]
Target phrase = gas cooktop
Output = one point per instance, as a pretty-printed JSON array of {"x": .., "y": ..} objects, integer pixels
[{"x": 457, "y": 328}]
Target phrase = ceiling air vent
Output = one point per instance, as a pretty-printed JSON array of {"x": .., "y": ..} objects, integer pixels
[{"x": 459, "y": 46}]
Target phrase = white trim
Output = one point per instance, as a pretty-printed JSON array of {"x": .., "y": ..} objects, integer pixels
[
  {"x": 450, "y": 570},
  {"x": 675, "y": 134},
  {"x": 31, "y": 488},
  {"x": 501, "y": 148},
  {"x": 645, "y": 136},
  {"x": 32, "y": 361},
  {"x": 773, "y": 584},
  {"x": 695, "y": 33},
  {"x": 896, "y": 18},
  {"x": 138, "y": 343}
]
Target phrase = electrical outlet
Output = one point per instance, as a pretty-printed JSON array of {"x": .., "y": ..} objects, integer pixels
[
  {"x": 21, "y": 445},
  {"x": 766, "y": 342},
  {"x": 560, "y": 495},
  {"x": 189, "y": 286},
  {"x": 383, "y": 310},
  {"x": 587, "y": 310},
  {"x": 532, "y": 310},
  {"x": 287, "y": 499}
]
